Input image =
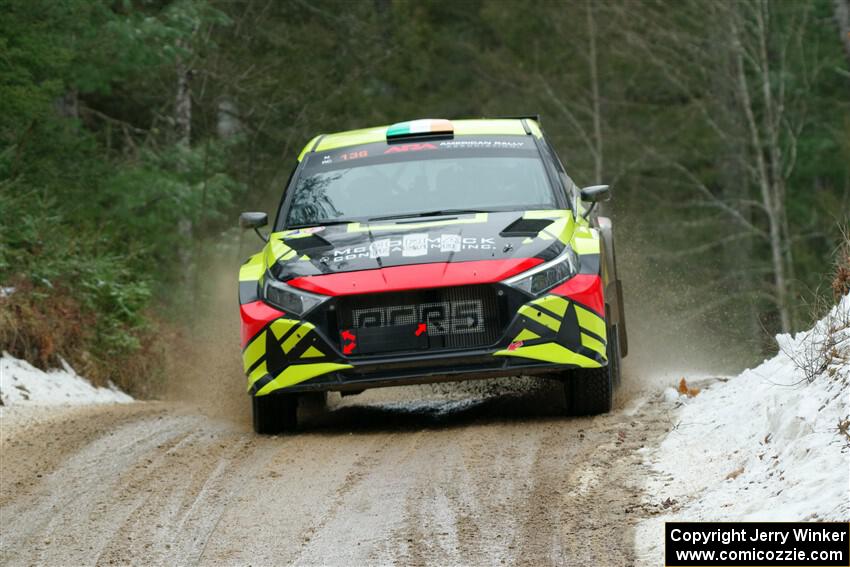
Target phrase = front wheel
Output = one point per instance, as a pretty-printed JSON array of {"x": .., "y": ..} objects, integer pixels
[
  {"x": 590, "y": 391},
  {"x": 274, "y": 413}
]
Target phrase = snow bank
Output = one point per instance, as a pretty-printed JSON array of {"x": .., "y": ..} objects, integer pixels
[
  {"x": 764, "y": 445},
  {"x": 23, "y": 383}
]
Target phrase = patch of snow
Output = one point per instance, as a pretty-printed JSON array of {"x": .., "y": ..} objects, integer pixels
[
  {"x": 763, "y": 445},
  {"x": 671, "y": 395},
  {"x": 23, "y": 383}
]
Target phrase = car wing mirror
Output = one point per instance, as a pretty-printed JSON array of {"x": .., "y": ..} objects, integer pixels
[
  {"x": 254, "y": 221},
  {"x": 594, "y": 194}
]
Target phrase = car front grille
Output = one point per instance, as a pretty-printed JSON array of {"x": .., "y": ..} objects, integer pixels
[{"x": 428, "y": 319}]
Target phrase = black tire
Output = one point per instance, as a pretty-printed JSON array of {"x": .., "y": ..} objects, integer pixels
[
  {"x": 313, "y": 401},
  {"x": 274, "y": 413},
  {"x": 311, "y": 406},
  {"x": 590, "y": 391}
]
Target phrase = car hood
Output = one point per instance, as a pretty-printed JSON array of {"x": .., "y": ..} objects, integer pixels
[{"x": 510, "y": 237}]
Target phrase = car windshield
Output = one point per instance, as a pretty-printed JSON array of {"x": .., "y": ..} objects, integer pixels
[{"x": 411, "y": 185}]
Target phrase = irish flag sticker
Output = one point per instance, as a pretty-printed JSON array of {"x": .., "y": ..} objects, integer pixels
[{"x": 419, "y": 127}]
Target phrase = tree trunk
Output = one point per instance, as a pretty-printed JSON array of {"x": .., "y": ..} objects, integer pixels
[
  {"x": 776, "y": 177},
  {"x": 772, "y": 202},
  {"x": 842, "y": 16},
  {"x": 594, "y": 93},
  {"x": 183, "y": 104},
  {"x": 227, "y": 122},
  {"x": 183, "y": 131},
  {"x": 68, "y": 105},
  {"x": 732, "y": 165}
]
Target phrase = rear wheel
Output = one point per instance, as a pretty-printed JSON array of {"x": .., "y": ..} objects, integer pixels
[
  {"x": 590, "y": 391},
  {"x": 274, "y": 413}
]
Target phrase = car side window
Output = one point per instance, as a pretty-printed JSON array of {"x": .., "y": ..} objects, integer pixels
[
  {"x": 570, "y": 187},
  {"x": 279, "y": 218}
]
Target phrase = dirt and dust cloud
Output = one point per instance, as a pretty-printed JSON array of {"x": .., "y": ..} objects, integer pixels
[
  {"x": 204, "y": 362},
  {"x": 666, "y": 341}
]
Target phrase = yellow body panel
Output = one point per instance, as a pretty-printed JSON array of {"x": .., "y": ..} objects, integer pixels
[
  {"x": 585, "y": 240},
  {"x": 540, "y": 317},
  {"x": 299, "y": 373},
  {"x": 551, "y": 352},
  {"x": 593, "y": 344},
  {"x": 257, "y": 373},
  {"x": 253, "y": 269},
  {"x": 308, "y": 147},
  {"x": 554, "y": 303},
  {"x": 282, "y": 326},
  {"x": 312, "y": 352},
  {"x": 591, "y": 321},
  {"x": 254, "y": 351},
  {"x": 296, "y": 337},
  {"x": 526, "y": 335}
]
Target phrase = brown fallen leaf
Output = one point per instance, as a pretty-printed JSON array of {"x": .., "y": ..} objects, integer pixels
[
  {"x": 735, "y": 474},
  {"x": 686, "y": 390}
]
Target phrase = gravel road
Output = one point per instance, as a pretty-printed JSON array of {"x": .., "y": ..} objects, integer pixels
[{"x": 404, "y": 476}]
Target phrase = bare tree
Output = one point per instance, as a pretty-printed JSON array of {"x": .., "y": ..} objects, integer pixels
[
  {"x": 842, "y": 17},
  {"x": 761, "y": 117},
  {"x": 579, "y": 100},
  {"x": 183, "y": 133},
  {"x": 183, "y": 99},
  {"x": 596, "y": 113}
]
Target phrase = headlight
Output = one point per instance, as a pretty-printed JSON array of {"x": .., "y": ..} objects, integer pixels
[
  {"x": 547, "y": 275},
  {"x": 290, "y": 299}
]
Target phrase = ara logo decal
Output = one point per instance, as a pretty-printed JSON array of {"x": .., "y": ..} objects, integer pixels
[{"x": 410, "y": 148}]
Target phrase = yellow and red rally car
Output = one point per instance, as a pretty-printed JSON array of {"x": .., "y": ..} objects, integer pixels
[{"x": 426, "y": 251}]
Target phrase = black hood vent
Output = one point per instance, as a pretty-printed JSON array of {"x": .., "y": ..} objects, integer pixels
[
  {"x": 525, "y": 227},
  {"x": 308, "y": 244}
]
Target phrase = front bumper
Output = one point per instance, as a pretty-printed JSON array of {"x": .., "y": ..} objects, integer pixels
[{"x": 563, "y": 329}]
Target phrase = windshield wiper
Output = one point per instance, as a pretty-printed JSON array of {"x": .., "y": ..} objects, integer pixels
[
  {"x": 438, "y": 213},
  {"x": 329, "y": 222}
]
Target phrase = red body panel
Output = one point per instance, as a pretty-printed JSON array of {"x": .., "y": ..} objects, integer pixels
[
  {"x": 418, "y": 276},
  {"x": 255, "y": 316},
  {"x": 585, "y": 289}
]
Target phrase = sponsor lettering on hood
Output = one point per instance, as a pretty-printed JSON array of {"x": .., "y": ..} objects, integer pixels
[{"x": 411, "y": 246}]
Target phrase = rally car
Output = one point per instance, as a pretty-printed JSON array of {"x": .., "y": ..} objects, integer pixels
[{"x": 425, "y": 251}]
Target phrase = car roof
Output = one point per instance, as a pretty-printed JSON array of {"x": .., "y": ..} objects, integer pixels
[{"x": 463, "y": 127}]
